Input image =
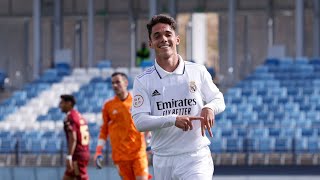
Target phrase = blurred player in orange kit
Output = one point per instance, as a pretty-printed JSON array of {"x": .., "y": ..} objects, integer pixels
[
  {"x": 77, "y": 134},
  {"x": 128, "y": 144}
]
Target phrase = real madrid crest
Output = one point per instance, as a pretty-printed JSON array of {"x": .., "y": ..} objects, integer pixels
[{"x": 192, "y": 86}]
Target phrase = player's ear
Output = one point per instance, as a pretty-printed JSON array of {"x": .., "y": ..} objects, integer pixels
[
  {"x": 178, "y": 39},
  {"x": 150, "y": 44}
]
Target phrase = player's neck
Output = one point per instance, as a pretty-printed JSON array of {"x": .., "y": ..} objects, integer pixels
[
  {"x": 168, "y": 64},
  {"x": 68, "y": 111},
  {"x": 123, "y": 96}
]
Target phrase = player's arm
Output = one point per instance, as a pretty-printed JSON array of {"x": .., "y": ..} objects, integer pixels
[
  {"x": 141, "y": 111},
  {"x": 102, "y": 136},
  {"x": 211, "y": 94},
  {"x": 72, "y": 142},
  {"x": 215, "y": 102},
  {"x": 145, "y": 122}
]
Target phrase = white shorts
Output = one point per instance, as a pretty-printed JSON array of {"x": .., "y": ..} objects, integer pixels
[{"x": 189, "y": 166}]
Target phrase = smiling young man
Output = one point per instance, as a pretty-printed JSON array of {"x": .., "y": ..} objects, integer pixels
[
  {"x": 177, "y": 101},
  {"x": 127, "y": 143}
]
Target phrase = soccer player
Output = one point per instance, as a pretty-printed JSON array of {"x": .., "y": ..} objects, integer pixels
[
  {"x": 177, "y": 101},
  {"x": 77, "y": 134},
  {"x": 128, "y": 144}
]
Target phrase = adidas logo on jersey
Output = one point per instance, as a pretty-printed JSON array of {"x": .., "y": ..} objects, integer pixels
[{"x": 155, "y": 93}]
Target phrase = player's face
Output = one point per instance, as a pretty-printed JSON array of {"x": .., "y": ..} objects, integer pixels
[
  {"x": 64, "y": 106},
  {"x": 119, "y": 84},
  {"x": 164, "y": 40}
]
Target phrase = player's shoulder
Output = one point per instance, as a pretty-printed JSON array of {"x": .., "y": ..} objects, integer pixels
[
  {"x": 109, "y": 101},
  {"x": 194, "y": 66},
  {"x": 146, "y": 73},
  {"x": 73, "y": 113},
  {"x": 74, "y": 116}
]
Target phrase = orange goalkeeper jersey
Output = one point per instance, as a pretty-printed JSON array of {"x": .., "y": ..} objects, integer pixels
[{"x": 127, "y": 142}]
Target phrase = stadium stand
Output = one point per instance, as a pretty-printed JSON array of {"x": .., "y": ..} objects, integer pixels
[{"x": 272, "y": 116}]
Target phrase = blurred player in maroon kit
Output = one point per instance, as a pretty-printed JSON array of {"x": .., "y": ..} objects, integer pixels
[{"x": 77, "y": 134}]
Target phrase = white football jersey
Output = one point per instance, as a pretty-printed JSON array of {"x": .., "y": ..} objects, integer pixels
[{"x": 182, "y": 92}]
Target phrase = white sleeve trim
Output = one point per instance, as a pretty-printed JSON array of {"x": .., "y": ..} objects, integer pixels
[{"x": 146, "y": 122}]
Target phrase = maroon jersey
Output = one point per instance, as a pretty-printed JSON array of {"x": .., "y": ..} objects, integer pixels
[{"x": 75, "y": 122}]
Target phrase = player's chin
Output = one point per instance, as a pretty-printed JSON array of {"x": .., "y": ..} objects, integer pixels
[{"x": 165, "y": 54}]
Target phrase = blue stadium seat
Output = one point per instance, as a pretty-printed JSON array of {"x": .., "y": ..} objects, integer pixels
[
  {"x": 19, "y": 135},
  {"x": 241, "y": 132},
  {"x": 35, "y": 135},
  {"x": 274, "y": 132},
  {"x": 314, "y": 61},
  {"x": 36, "y": 146},
  {"x": 258, "y": 108},
  {"x": 146, "y": 64},
  {"x": 216, "y": 132},
  {"x": 234, "y": 145},
  {"x": 316, "y": 123},
  {"x": 304, "y": 123},
  {"x": 265, "y": 145},
  {"x": 247, "y": 92},
  {"x": 49, "y": 135},
  {"x": 271, "y": 62},
  {"x": 94, "y": 131},
  {"x": 8, "y": 145},
  {"x": 254, "y": 123},
  {"x": 104, "y": 64},
  {"x": 23, "y": 145},
  {"x": 234, "y": 92},
  {"x": 5, "y": 134},
  {"x": 258, "y": 132},
  {"x": 241, "y": 123},
  {"x": 52, "y": 146},
  {"x": 63, "y": 68},
  {"x": 300, "y": 145},
  {"x": 306, "y": 132},
  {"x": 217, "y": 145},
  {"x": 287, "y": 132},
  {"x": 44, "y": 117},
  {"x": 288, "y": 123},
  {"x": 223, "y": 124},
  {"x": 261, "y": 69},
  {"x": 271, "y": 123},
  {"x": 313, "y": 115},
  {"x": 283, "y": 145},
  {"x": 254, "y": 100},
  {"x": 291, "y": 107},
  {"x": 301, "y": 61},
  {"x": 313, "y": 145},
  {"x": 227, "y": 132}
]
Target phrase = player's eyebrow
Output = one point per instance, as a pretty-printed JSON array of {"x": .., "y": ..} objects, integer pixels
[{"x": 165, "y": 32}]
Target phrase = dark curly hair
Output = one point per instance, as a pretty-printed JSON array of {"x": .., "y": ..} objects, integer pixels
[{"x": 161, "y": 18}]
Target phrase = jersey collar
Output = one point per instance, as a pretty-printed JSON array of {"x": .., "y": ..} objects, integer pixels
[{"x": 163, "y": 73}]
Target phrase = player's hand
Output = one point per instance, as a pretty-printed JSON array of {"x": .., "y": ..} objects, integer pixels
[
  {"x": 208, "y": 121},
  {"x": 69, "y": 165},
  {"x": 184, "y": 122},
  {"x": 98, "y": 157},
  {"x": 99, "y": 160}
]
